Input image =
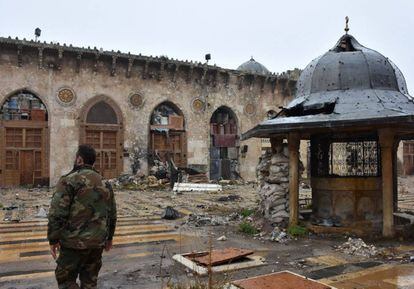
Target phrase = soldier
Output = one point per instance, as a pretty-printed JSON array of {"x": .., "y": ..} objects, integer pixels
[{"x": 82, "y": 219}]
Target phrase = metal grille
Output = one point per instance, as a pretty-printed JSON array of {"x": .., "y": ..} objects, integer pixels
[
  {"x": 345, "y": 158},
  {"x": 353, "y": 158}
]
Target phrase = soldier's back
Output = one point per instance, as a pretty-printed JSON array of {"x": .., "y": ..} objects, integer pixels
[{"x": 87, "y": 222}]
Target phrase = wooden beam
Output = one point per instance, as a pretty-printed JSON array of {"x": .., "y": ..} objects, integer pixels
[
  {"x": 386, "y": 140},
  {"x": 293, "y": 144}
]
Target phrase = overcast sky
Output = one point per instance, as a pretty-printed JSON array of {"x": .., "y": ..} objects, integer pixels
[{"x": 280, "y": 34}]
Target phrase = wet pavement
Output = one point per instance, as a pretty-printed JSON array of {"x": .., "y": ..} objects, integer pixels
[{"x": 145, "y": 244}]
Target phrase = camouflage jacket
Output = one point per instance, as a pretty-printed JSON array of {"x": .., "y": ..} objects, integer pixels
[{"x": 82, "y": 213}]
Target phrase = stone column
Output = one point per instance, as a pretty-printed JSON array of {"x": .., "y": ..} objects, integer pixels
[
  {"x": 293, "y": 144},
  {"x": 386, "y": 140}
]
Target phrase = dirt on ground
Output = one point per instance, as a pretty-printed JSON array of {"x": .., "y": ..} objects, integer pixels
[{"x": 145, "y": 243}]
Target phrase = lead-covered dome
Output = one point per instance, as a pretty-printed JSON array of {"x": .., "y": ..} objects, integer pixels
[
  {"x": 254, "y": 67},
  {"x": 350, "y": 85},
  {"x": 349, "y": 65},
  {"x": 351, "y": 81}
]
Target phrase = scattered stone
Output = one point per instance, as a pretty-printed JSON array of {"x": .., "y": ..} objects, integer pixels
[
  {"x": 206, "y": 220},
  {"x": 229, "y": 198},
  {"x": 357, "y": 247},
  {"x": 279, "y": 236}
]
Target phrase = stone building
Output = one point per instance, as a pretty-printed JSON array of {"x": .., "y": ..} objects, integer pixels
[{"x": 131, "y": 108}]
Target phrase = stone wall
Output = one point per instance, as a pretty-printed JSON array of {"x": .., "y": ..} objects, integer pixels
[
  {"x": 91, "y": 74},
  {"x": 273, "y": 177}
]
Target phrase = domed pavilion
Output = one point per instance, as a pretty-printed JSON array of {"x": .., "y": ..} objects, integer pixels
[{"x": 353, "y": 105}]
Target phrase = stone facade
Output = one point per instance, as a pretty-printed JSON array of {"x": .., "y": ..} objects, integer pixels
[{"x": 93, "y": 75}]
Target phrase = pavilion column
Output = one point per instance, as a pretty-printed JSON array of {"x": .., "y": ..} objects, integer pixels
[
  {"x": 293, "y": 144},
  {"x": 386, "y": 140}
]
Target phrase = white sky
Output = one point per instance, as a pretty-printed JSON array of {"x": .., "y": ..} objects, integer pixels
[{"x": 280, "y": 34}]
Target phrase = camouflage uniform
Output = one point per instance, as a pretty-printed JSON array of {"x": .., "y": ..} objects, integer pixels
[{"x": 82, "y": 218}]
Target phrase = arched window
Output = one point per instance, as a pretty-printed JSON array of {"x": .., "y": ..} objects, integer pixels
[{"x": 23, "y": 127}]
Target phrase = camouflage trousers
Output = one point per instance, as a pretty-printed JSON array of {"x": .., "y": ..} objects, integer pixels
[{"x": 83, "y": 263}]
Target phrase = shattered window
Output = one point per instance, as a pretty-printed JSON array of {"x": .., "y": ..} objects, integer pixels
[{"x": 345, "y": 158}]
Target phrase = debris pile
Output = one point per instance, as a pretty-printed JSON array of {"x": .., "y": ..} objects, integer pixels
[
  {"x": 159, "y": 169},
  {"x": 279, "y": 236},
  {"x": 357, "y": 247},
  {"x": 138, "y": 182},
  {"x": 273, "y": 177},
  {"x": 199, "y": 220}
]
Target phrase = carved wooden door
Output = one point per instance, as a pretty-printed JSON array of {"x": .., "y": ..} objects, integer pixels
[{"x": 105, "y": 144}]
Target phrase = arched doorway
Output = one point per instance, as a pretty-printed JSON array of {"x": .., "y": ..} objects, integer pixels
[
  {"x": 101, "y": 128},
  {"x": 24, "y": 140},
  {"x": 167, "y": 135},
  {"x": 224, "y": 149}
]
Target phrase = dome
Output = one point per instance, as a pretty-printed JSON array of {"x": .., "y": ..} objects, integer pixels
[
  {"x": 349, "y": 65},
  {"x": 349, "y": 81},
  {"x": 348, "y": 86},
  {"x": 254, "y": 67}
]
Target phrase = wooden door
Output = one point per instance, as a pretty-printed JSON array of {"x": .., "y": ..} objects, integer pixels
[
  {"x": 26, "y": 167},
  {"x": 173, "y": 143},
  {"x": 177, "y": 148},
  {"x": 104, "y": 142}
]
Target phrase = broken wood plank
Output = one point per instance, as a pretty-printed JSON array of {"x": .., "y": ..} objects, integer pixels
[
  {"x": 219, "y": 257},
  {"x": 251, "y": 261}
]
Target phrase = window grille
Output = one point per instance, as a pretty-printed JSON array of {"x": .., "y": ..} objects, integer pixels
[{"x": 343, "y": 158}]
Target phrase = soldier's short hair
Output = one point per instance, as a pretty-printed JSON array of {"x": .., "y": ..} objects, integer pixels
[{"x": 87, "y": 153}]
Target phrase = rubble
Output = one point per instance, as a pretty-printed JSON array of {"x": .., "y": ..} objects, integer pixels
[
  {"x": 279, "y": 236},
  {"x": 138, "y": 182},
  {"x": 206, "y": 220},
  {"x": 229, "y": 198},
  {"x": 357, "y": 247}
]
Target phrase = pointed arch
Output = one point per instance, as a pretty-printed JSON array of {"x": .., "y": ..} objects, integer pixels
[
  {"x": 101, "y": 126},
  {"x": 224, "y": 147},
  {"x": 101, "y": 99},
  {"x": 168, "y": 139},
  {"x": 24, "y": 139}
]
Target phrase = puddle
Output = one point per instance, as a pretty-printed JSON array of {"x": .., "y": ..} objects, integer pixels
[{"x": 397, "y": 277}]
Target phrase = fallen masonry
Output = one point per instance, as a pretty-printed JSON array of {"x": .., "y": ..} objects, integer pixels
[{"x": 357, "y": 247}]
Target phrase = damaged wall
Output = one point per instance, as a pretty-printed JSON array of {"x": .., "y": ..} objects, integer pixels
[{"x": 136, "y": 85}]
